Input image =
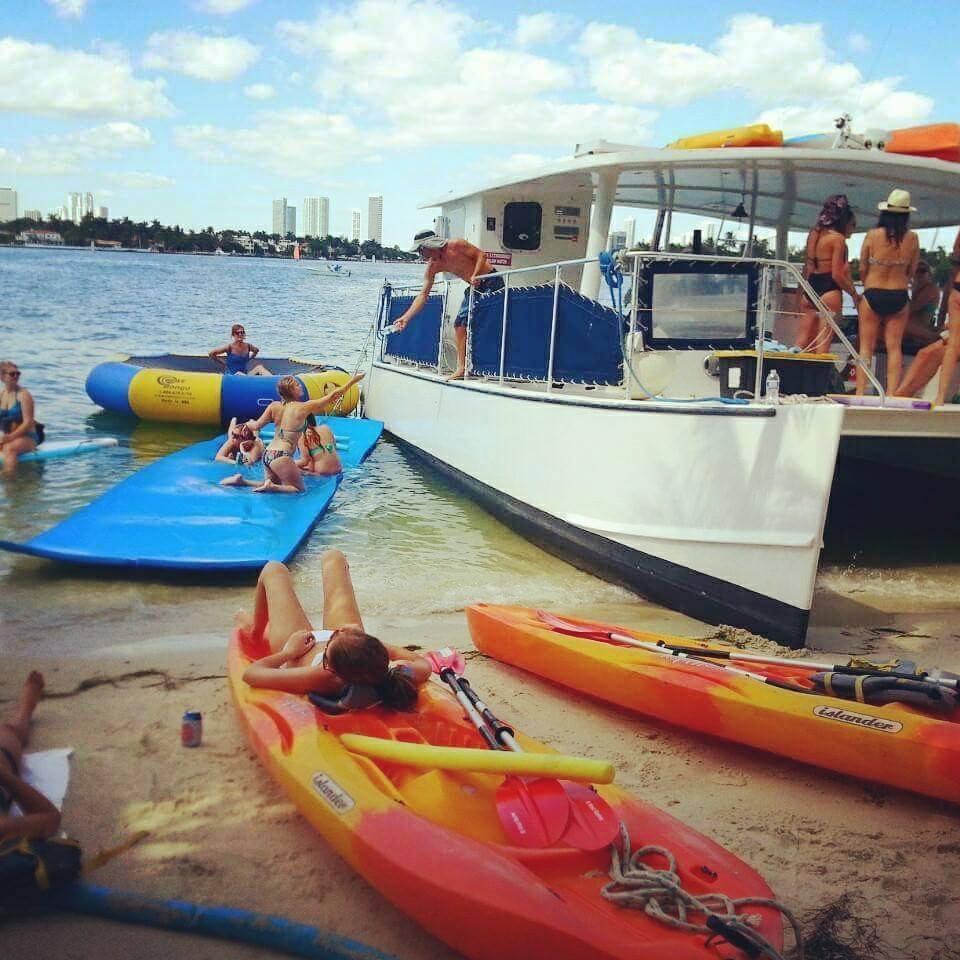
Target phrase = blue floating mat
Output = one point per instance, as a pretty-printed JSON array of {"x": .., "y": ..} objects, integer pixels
[
  {"x": 174, "y": 515},
  {"x": 58, "y": 449}
]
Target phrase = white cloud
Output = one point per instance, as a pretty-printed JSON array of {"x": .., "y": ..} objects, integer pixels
[
  {"x": 541, "y": 28},
  {"x": 202, "y": 57},
  {"x": 767, "y": 62},
  {"x": 283, "y": 141},
  {"x": 224, "y": 7},
  {"x": 69, "y": 9},
  {"x": 67, "y": 153},
  {"x": 259, "y": 91},
  {"x": 858, "y": 42},
  {"x": 140, "y": 181},
  {"x": 40, "y": 79}
]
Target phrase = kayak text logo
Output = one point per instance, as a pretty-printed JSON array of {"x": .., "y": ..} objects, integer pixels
[
  {"x": 333, "y": 793},
  {"x": 858, "y": 719},
  {"x": 168, "y": 380}
]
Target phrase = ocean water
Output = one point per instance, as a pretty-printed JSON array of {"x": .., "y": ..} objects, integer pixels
[{"x": 416, "y": 546}]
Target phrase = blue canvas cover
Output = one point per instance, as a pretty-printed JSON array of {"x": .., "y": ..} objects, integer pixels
[
  {"x": 173, "y": 514},
  {"x": 420, "y": 342},
  {"x": 587, "y": 343}
]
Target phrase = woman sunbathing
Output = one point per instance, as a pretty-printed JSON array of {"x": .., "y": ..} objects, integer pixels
[{"x": 341, "y": 661}]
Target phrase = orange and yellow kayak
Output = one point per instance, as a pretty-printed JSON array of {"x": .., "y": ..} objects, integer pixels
[
  {"x": 894, "y": 744},
  {"x": 431, "y": 842},
  {"x": 938, "y": 140}
]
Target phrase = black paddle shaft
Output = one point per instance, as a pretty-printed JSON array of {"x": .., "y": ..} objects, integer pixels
[
  {"x": 451, "y": 680},
  {"x": 498, "y": 726}
]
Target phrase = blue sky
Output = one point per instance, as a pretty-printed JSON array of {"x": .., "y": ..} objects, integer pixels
[{"x": 200, "y": 112}]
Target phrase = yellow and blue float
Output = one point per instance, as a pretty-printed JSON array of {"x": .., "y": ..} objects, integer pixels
[{"x": 177, "y": 388}]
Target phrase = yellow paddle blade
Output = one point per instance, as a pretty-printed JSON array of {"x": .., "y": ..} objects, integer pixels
[{"x": 480, "y": 761}]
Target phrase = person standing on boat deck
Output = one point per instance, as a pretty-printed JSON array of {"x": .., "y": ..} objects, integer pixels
[
  {"x": 888, "y": 261},
  {"x": 921, "y": 338},
  {"x": 463, "y": 260},
  {"x": 827, "y": 271},
  {"x": 953, "y": 312}
]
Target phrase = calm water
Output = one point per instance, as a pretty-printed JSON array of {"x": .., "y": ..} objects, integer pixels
[{"x": 416, "y": 546}]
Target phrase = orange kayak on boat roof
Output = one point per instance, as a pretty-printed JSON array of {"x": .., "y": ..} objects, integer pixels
[
  {"x": 938, "y": 140},
  {"x": 431, "y": 841},
  {"x": 899, "y": 744}
]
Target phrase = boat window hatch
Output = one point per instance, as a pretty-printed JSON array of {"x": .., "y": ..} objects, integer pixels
[
  {"x": 522, "y": 223},
  {"x": 696, "y": 304}
]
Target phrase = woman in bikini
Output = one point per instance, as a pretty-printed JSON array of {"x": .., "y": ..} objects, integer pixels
[
  {"x": 243, "y": 448},
  {"x": 40, "y": 817},
  {"x": 19, "y": 431},
  {"x": 341, "y": 662},
  {"x": 953, "y": 312},
  {"x": 888, "y": 261},
  {"x": 281, "y": 473},
  {"x": 318, "y": 452},
  {"x": 236, "y": 355},
  {"x": 827, "y": 271}
]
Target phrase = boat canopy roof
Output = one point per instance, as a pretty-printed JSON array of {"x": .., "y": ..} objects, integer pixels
[{"x": 781, "y": 186}]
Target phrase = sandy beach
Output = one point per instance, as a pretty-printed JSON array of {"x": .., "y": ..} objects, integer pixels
[{"x": 221, "y": 832}]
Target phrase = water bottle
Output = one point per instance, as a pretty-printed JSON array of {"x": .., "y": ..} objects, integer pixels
[{"x": 773, "y": 387}]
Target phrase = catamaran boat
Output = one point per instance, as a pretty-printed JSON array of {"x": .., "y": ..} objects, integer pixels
[{"x": 615, "y": 412}]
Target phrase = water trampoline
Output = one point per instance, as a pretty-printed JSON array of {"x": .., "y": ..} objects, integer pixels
[{"x": 179, "y": 388}]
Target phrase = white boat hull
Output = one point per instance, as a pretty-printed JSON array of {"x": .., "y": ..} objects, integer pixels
[{"x": 715, "y": 510}]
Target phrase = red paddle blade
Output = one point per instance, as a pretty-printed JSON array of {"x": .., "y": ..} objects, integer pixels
[
  {"x": 445, "y": 658},
  {"x": 533, "y": 813},
  {"x": 575, "y": 629},
  {"x": 593, "y": 824}
]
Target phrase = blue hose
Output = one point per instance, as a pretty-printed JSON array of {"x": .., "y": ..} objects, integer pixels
[{"x": 225, "y": 923}]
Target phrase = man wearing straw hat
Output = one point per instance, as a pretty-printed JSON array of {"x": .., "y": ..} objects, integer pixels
[{"x": 463, "y": 260}]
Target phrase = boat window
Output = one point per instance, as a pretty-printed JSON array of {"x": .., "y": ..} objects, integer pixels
[
  {"x": 700, "y": 306},
  {"x": 521, "y": 225}
]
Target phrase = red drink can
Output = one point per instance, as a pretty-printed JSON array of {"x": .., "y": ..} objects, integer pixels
[{"x": 191, "y": 729}]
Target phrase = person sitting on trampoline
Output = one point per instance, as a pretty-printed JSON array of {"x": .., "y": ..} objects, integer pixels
[
  {"x": 342, "y": 662},
  {"x": 236, "y": 355}
]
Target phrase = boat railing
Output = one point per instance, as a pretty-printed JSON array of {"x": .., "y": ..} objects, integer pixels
[{"x": 774, "y": 278}]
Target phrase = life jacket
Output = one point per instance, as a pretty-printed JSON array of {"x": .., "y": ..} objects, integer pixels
[{"x": 32, "y": 867}]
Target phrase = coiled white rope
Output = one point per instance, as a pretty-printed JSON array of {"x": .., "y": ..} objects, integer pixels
[{"x": 660, "y": 894}]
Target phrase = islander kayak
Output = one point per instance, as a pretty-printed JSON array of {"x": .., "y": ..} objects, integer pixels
[
  {"x": 431, "y": 841},
  {"x": 789, "y": 711}
]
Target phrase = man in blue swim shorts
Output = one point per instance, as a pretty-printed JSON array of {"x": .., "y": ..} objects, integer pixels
[{"x": 463, "y": 260}]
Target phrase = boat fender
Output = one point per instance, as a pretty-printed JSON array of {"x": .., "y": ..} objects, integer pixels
[
  {"x": 32, "y": 867},
  {"x": 882, "y": 690}
]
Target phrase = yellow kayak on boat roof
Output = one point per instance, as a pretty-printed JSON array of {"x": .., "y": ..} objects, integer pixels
[{"x": 756, "y": 135}]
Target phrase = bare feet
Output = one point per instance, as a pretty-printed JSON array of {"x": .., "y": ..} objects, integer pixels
[
  {"x": 32, "y": 690},
  {"x": 265, "y": 487},
  {"x": 235, "y": 481},
  {"x": 457, "y": 374}
]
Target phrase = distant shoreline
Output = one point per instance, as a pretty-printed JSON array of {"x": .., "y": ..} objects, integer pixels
[{"x": 191, "y": 253}]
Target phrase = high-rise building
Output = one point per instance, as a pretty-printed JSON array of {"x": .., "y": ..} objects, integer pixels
[
  {"x": 280, "y": 216},
  {"x": 103, "y": 213},
  {"x": 33, "y": 214},
  {"x": 616, "y": 240},
  {"x": 355, "y": 225},
  {"x": 630, "y": 229},
  {"x": 8, "y": 204},
  {"x": 74, "y": 207},
  {"x": 290, "y": 221},
  {"x": 88, "y": 204},
  {"x": 375, "y": 219},
  {"x": 316, "y": 217},
  {"x": 63, "y": 213}
]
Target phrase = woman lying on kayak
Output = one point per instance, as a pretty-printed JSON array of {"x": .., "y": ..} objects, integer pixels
[
  {"x": 342, "y": 660},
  {"x": 281, "y": 474}
]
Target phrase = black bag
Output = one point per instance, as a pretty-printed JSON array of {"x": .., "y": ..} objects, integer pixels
[{"x": 32, "y": 867}]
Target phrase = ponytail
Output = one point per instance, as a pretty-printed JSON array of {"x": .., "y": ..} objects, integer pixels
[{"x": 398, "y": 691}]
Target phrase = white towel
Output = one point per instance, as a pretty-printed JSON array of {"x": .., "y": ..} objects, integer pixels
[{"x": 47, "y": 771}]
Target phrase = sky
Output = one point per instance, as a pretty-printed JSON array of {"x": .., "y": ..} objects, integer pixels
[{"x": 201, "y": 112}]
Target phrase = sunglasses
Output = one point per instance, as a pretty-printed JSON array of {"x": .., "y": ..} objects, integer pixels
[
  {"x": 239, "y": 333},
  {"x": 12, "y": 373}
]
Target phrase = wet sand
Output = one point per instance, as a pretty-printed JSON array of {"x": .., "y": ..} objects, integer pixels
[{"x": 221, "y": 832}]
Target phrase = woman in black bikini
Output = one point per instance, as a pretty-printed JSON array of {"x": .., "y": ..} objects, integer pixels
[
  {"x": 281, "y": 474},
  {"x": 888, "y": 261},
  {"x": 953, "y": 312},
  {"x": 40, "y": 817},
  {"x": 827, "y": 271}
]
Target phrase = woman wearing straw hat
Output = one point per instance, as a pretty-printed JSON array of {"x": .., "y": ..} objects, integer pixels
[{"x": 888, "y": 260}]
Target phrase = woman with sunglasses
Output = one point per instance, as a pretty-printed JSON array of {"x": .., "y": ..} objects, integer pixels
[
  {"x": 236, "y": 355},
  {"x": 19, "y": 431},
  {"x": 342, "y": 662}
]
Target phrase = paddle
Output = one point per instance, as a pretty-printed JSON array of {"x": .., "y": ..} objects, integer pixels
[
  {"x": 590, "y": 822},
  {"x": 611, "y": 636},
  {"x": 695, "y": 654},
  {"x": 533, "y": 813}
]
